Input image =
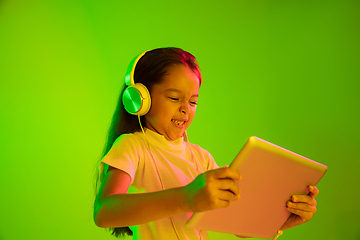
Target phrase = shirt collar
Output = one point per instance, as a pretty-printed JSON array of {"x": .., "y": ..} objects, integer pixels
[{"x": 160, "y": 141}]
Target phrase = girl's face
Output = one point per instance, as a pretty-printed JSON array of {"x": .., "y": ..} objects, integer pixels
[{"x": 173, "y": 103}]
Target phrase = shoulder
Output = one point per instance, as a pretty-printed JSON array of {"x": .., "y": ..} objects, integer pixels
[
  {"x": 128, "y": 139},
  {"x": 203, "y": 152},
  {"x": 128, "y": 144}
]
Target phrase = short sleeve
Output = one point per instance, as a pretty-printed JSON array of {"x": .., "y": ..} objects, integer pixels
[{"x": 124, "y": 155}]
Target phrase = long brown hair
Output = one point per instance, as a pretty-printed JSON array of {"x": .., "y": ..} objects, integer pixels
[{"x": 150, "y": 70}]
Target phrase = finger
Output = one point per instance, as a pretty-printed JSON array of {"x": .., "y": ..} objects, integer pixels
[
  {"x": 228, "y": 184},
  {"x": 304, "y": 199},
  {"x": 314, "y": 191},
  {"x": 301, "y": 206},
  {"x": 305, "y": 216},
  {"x": 222, "y": 203},
  {"x": 226, "y": 173},
  {"x": 226, "y": 195}
]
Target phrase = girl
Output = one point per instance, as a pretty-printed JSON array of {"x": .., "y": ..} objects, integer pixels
[{"x": 152, "y": 178}]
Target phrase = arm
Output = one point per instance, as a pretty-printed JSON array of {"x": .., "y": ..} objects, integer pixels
[
  {"x": 113, "y": 201},
  {"x": 115, "y": 208}
]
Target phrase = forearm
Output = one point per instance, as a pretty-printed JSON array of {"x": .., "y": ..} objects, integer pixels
[{"x": 121, "y": 210}]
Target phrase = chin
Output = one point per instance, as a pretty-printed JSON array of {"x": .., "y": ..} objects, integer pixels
[{"x": 175, "y": 137}]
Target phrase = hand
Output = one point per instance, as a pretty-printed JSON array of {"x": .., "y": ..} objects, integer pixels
[
  {"x": 302, "y": 207},
  {"x": 212, "y": 189}
]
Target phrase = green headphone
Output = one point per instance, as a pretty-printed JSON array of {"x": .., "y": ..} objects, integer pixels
[{"x": 136, "y": 97}]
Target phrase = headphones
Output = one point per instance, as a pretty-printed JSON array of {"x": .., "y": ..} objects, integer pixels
[{"x": 136, "y": 97}]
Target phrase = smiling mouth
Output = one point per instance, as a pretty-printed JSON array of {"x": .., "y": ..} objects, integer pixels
[{"x": 178, "y": 123}]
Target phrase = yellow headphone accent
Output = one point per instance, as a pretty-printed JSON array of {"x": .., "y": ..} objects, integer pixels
[{"x": 136, "y": 97}]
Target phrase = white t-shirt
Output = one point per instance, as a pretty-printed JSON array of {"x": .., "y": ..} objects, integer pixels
[{"x": 178, "y": 163}]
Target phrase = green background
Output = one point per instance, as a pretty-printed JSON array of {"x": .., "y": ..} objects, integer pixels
[{"x": 285, "y": 71}]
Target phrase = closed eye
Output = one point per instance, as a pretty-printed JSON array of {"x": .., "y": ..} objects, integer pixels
[{"x": 177, "y": 99}]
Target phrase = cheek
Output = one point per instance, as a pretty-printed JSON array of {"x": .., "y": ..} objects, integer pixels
[
  {"x": 193, "y": 112},
  {"x": 191, "y": 117},
  {"x": 159, "y": 117},
  {"x": 152, "y": 116}
]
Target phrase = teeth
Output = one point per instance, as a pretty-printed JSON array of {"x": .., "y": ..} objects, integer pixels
[{"x": 178, "y": 123}]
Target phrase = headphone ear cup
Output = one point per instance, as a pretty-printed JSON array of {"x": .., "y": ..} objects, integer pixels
[{"x": 136, "y": 99}]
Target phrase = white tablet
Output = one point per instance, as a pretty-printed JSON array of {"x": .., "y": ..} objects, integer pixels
[{"x": 270, "y": 176}]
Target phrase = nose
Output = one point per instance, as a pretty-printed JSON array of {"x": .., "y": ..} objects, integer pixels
[{"x": 185, "y": 108}]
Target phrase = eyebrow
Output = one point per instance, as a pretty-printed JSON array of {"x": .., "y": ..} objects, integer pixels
[{"x": 178, "y": 91}]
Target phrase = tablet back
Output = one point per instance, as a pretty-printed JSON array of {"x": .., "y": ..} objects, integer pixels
[{"x": 270, "y": 176}]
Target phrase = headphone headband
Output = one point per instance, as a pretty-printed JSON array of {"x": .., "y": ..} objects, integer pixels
[{"x": 129, "y": 76}]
